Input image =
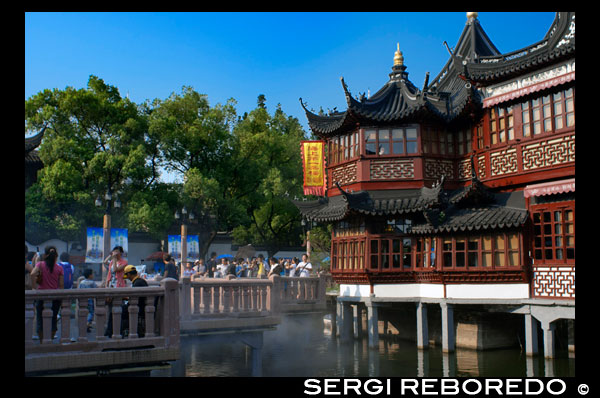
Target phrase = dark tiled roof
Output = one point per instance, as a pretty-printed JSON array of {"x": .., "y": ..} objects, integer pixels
[
  {"x": 451, "y": 94},
  {"x": 557, "y": 44},
  {"x": 469, "y": 219},
  {"x": 33, "y": 142},
  {"x": 399, "y": 100},
  {"x": 33, "y": 158},
  {"x": 470, "y": 208},
  {"x": 323, "y": 209}
]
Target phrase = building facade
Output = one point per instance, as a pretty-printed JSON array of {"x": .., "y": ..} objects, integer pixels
[{"x": 461, "y": 188}]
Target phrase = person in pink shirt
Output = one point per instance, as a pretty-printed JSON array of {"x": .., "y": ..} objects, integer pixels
[
  {"x": 116, "y": 265},
  {"x": 47, "y": 275}
]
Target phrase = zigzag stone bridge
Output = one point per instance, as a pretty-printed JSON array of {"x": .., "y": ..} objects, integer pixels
[{"x": 238, "y": 308}]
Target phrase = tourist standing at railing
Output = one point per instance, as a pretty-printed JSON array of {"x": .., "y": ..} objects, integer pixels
[
  {"x": 211, "y": 265},
  {"x": 47, "y": 275},
  {"x": 170, "y": 268},
  {"x": 275, "y": 267},
  {"x": 200, "y": 268},
  {"x": 244, "y": 269},
  {"x": 292, "y": 267},
  {"x": 189, "y": 271},
  {"x": 263, "y": 266},
  {"x": 68, "y": 270},
  {"x": 253, "y": 268},
  {"x": 28, "y": 269},
  {"x": 116, "y": 264},
  {"x": 304, "y": 267},
  {"x": 88, "y": 283}
]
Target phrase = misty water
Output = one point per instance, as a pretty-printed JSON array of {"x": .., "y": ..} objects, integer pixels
[{"x": 299, "y": 347}]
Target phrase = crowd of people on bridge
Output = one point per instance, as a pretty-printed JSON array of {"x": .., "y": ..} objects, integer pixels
[
  {"x": 45, "y": 271},
  {"x": 255, "y": 267}
]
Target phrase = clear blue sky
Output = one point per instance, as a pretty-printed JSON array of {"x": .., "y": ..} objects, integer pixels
[{"x": 284, "y": 56}]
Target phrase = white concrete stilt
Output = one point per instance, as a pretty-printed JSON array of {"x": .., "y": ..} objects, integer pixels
[
  {"x": 448, "y": 335},
  {"x": 531, "y": 340},
  {"x": 347, "y": 325},
  {"x": 373, "y": 325},
  {"x": 548, "y": 329},
  {"x": 422, "y": 329}
]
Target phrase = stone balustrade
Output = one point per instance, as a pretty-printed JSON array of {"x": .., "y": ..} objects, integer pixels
[
  {"x": 248, "y": 297},
  {"x": 160, "y": 341},
  {"x": 201, "y": 305}
]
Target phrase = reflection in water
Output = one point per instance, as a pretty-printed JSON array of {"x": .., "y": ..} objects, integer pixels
[{"x": 299, "y": 348}]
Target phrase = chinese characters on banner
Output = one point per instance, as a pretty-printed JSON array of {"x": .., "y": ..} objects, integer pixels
[
  {"x": 313, "y": 164},
  {"x": 193, "y": 247},
  {"x": 95, "y": 243}
]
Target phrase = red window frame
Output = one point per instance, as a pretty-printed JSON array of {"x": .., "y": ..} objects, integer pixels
[
  {"x": 500, "y": 250},
  {"x": 553, "y": 233}
]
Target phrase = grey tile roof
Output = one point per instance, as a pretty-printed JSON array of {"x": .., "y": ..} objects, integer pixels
[
  {"x": 469, "y": 219},
  {"x": 461, "y": 210}
]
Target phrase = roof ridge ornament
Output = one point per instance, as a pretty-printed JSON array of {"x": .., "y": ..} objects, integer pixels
[
  {"x": 472, "y": 15},
  {"x": 398, "y": 57}
]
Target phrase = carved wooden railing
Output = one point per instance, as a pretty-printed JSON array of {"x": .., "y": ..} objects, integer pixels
[
  {"x": 161, "y": 322},
  {"x": 553, "y": 281}
]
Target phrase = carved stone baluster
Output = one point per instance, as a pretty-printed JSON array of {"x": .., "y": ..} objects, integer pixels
[
  {"x": 206, "y": 298},
  {"x": 196, "y": 299},
  {"x": 255, "y": 297},
  {"x": 65, "y": 320},
  {"x": 216, "y": 301},
  {"x": 116, "y": 320},
  {"x": 100, "y": 315},
  {"x": 82, "y": 313},
  {"x": 29, "y": 315},
  {"x": 236, "y": 298},
  {"x": 133, "y": 317},
  {"x": 47, "y": 322},
  {"x": 150, "y": 310},
  {"x": 300, "y": 289},
  {"x": 263, "y": 298},
  {"x": 226, "y": 291},
  {"x": 245, "y": 298}
]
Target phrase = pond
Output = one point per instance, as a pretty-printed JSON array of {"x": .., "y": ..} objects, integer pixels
[{"x": 300, "y": 347}]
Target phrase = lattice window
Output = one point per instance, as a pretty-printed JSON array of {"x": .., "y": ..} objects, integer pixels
[
  {"x": 390, "y": 253},
  {"x": 498, "y": 250},
  {"x": 395, "y": 141},
  {"x": 554, "y": 233},
  {"x": 549, "y": 113},
  {"x": 344, "y": 148},
  {"x": 501, "y": 125}
]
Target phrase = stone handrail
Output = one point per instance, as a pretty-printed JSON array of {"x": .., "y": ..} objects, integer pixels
[
  {"x": 161, "y": 318},
  {"x": 208, "y": 297}
]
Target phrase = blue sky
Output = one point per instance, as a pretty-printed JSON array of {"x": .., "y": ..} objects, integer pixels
[{"x": 284, "y": 56}]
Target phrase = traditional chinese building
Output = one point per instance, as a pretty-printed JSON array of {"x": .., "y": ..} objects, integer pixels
[
  {"x": 462, "y": 187},
  {"x": 33, "y": 163}
]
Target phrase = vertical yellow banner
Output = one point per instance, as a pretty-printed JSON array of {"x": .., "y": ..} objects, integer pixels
[{"x": 313, "y": 164}]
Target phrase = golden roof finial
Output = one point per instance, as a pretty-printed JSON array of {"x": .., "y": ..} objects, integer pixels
[
  {"x": 398, "y": 58},
  {"x": 472, "y": 14}
]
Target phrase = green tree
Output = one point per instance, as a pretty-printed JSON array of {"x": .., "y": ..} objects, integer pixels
[
  {"x": 195, "y": 141},
  {"x": 94, "y": 141},
  {"x": 267, "y": 171}
]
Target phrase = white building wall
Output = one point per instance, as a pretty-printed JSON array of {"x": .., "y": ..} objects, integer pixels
[
  {"x": 430, "y": 290},
  {"x": 500, "y": 291}
]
